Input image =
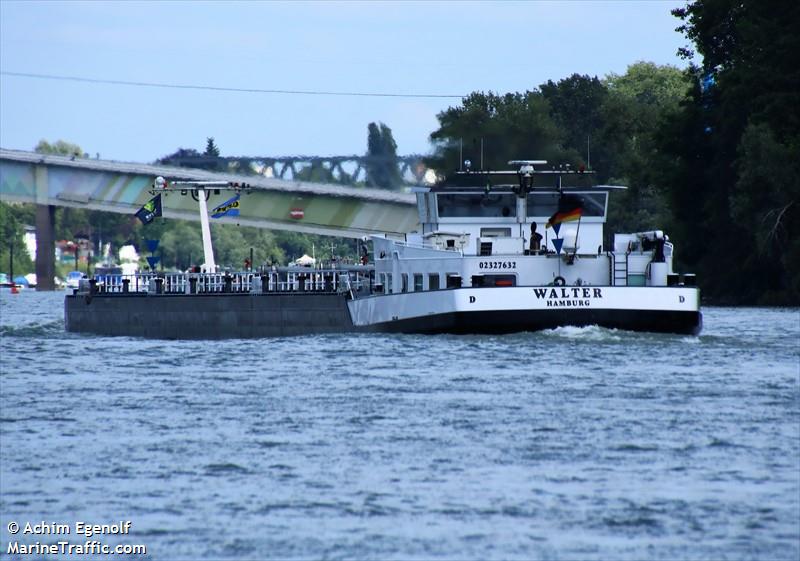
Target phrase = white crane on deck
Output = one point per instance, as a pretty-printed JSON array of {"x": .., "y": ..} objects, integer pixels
[{"x": 200, "y": 192}]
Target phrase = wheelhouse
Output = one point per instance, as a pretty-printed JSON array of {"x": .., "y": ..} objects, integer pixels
[{"x": 477, "y": 229}]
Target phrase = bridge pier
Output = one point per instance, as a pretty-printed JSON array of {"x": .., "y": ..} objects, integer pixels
[{"x": 45, "y": 247}]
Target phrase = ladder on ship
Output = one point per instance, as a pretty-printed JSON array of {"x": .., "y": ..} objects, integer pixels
[{"x": 620, "y": 269}]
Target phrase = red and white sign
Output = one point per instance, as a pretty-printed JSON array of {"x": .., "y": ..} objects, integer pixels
[{"x": 297, "y": 213}]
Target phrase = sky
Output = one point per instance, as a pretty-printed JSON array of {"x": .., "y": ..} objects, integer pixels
[{"x": 410, "y": 48}]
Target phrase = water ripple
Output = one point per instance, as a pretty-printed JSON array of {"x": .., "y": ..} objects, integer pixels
[{"x": 575, "y": 443}]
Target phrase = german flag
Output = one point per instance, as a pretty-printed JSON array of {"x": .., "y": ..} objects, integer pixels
[
  {"x": 560, "y": 217},
  {"x": 570, "y": 208}
]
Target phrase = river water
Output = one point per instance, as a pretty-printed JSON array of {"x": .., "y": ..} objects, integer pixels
[{"x": 578, "y": 443}]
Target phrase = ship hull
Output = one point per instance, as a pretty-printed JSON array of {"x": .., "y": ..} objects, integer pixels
[
  {"x": 513, "y": 309},
  {"x": 515, "y": 321},
  {"x": 206, "y": 316},
  {"x": 467, "y": 310}
]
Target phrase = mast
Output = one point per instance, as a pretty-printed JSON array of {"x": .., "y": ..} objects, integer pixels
[
  {"x": 588, "y": 154},
  {"x": 208, "y": 250}
]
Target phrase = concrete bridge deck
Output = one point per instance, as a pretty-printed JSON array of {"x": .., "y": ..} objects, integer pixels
[
  {"x": 49, "y": 181},
  {"x": 124, "y": 187}
]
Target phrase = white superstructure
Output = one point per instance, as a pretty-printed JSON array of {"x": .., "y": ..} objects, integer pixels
[{"x": 476, "y": 263}]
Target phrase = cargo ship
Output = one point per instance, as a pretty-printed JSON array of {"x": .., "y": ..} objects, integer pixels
[{"x": 495, "y": 252}]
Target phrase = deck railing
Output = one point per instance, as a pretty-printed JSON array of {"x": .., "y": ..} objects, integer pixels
[{"x": 255, "y": 282}]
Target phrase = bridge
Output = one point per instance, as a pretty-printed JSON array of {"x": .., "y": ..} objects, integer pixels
[
  {"x": 71, "y": 181},
  {"x": 340, "y": 169}
]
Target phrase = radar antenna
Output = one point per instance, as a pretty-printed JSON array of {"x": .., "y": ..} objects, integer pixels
[{"x": 525, "y": 175}]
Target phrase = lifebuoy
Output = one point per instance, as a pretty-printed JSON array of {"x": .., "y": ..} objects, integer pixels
[{"x": 559, "y": 281}]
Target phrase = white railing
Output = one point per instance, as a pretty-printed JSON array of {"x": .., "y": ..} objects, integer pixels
[{"x": 313, "y": 280}]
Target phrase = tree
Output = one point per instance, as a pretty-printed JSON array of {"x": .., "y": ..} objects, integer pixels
[
  {"x": 576, "y": 106},
  {"x": 765, "y": 196},
  {"x": 60, "y": 147},
  {"x": 11, "y": 234},
  {"x": 191, "y": 158},
  {"x": 493, "y": 129},
  {"x": 230, "y": 246},
  {"x": 650, "y": 84},
  {"x": 381, "y": 165},
  {"x": 184, "y": 157},
  {"x": 636, "y": 107},
  {"x": 211, "y": 149},
  {"x": 737, "y": 156},
  {"x": 180, "y": 244}
]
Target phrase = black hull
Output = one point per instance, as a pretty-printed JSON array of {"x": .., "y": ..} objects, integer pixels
[
  {"x": 242, "y": 316},
  {"x": 514, "y": 321},
  {"x": 206, "y": 316}
]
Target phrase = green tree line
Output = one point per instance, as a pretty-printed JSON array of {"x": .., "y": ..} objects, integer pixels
[
  {"x": 734, "y": 145},
  {"x": 709, "y": 154},
  {"x": 12, "y": 221}
]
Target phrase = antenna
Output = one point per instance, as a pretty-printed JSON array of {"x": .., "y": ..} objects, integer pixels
[
  {"x": 460, "y": 154},
  {"x": 481, "y": 153},
  {"x": 588, "y": 154}
]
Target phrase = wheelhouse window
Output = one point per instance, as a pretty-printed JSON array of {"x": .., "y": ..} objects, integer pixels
[
  {"x": 433, "y": 281},
  {"x": 417, "y": 283},
  {"x": 476, "y": 205},
  {"x": 544, "y": 205},
  {"x": 404, "y": 279},
  {"x": 495, "y": 232},
  {"x": 594, "y": 204}
]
